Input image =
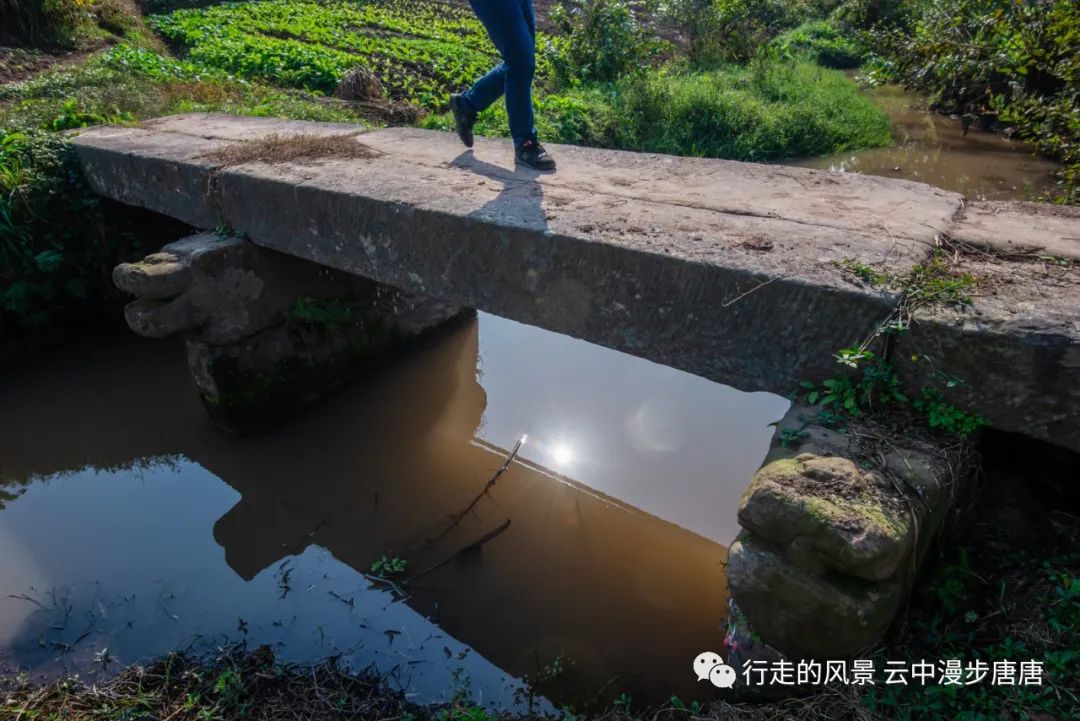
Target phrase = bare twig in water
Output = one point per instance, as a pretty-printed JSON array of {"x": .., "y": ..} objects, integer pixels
[
  {"x": 464, "y": 549},
  {"x": 351, "y": 602},
  {"x": 487, "y": 487},
  {"x": 388, "y": 582},
  {"x": 24, "y": 597}
]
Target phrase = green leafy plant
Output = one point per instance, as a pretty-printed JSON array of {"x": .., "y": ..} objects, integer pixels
[
  {"x": 326, "y": 313},
  {"x": 599, "y": 41},
  {"x": 945, "y": 416},
  {"x": 936, "y": 282},
  {"x": 876, "y": 385},
  {"x": 389, "y": 566},
  {"x": 822, "y": 41}
]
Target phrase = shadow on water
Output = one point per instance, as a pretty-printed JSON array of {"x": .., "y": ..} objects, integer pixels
[{"x": 613, "y": 560}]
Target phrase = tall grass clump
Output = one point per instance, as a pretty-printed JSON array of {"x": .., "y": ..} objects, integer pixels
[
  {"x": 766, "y": 111},
  {"x": 822, "y": 41}
]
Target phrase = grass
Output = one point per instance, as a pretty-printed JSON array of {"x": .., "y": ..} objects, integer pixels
[
  {"x": 767, "y": 111},
  {"x": 58, "y": 241},
  {"x": 821, "y": 41}
]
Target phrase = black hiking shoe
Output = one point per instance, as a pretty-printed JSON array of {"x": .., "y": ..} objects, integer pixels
[
  {"x": 532, "y": 154},
  {"x": 464, "y": 119}
]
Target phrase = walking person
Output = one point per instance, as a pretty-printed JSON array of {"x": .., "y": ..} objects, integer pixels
[{"x": 511, "y": 25}]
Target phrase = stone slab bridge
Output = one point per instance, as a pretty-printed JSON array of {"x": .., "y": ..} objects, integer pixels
[{"x": 342, "y": 244}]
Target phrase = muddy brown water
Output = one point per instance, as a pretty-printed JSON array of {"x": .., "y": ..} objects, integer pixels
[
  {"x": 133, "y": 525},
  {"x": 933, "y": 148}
]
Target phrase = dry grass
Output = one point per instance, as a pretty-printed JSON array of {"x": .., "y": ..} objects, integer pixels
[
  {"x": 276, "y": 149},
  {"x": 230, "y": 685}
]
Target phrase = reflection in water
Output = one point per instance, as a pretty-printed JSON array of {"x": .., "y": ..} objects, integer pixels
[
  {"x": 141, "y": 528},
  {"x": 932, "y": 148}
]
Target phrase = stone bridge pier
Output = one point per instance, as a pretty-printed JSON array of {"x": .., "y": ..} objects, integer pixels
[{"x": 266, "y": 332}]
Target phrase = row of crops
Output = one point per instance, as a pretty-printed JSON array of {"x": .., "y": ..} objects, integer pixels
[{"x": 422, "y": 51}]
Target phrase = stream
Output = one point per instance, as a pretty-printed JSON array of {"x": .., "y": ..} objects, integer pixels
[
  {"x": 147, "y": 529},
  {"x": 933, "y": 148}
]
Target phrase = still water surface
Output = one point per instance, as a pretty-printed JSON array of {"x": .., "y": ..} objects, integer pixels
[
  {"x": 134, "y": 525},
  {"x": 933, "y": 148}
]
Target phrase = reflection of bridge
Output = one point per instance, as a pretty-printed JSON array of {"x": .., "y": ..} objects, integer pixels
[
  {"x": 726, "y": 270},
  {"x": 383, "y": 467}
]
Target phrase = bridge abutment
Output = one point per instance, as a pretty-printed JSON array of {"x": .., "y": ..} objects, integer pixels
[
  {"x": 835, "y": 526},
  {"x": 266, "y": 333}
]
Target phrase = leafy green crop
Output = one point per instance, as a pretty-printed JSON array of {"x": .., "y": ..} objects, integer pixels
[{"x": 421, "y": 51}]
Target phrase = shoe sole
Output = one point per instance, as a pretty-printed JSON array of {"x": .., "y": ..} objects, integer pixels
[
  {"x": 466, "y": 139},
  {"x": 519, "y": 161}
]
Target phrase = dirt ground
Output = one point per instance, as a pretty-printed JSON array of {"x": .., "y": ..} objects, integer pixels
[{"x": 17, "y": 64}]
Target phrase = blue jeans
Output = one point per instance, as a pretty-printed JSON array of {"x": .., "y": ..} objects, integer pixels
[{"x": 511, "y": 25}]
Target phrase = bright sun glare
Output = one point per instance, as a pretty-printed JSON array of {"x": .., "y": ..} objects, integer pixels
[{"x": 562, "y": 454}]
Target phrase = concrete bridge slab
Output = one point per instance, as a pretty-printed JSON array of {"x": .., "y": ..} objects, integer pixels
[
  {"x": 732, "y": 271},
  {"x": 722, "y": 269}
]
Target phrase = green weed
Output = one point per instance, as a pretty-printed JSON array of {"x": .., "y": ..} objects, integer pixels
[
  {"x": 822, "y": 41},
  {"x": 936, "y": 282},
  {"x": 862, "y": 271},
  {"x": 331, "y": 314},
  {"x": 389, "y": 566},
  {"x": 946, "y": 417}
]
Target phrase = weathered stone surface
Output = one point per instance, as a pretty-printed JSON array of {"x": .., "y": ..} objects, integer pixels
[
  {"x": 1014, "y": 227},
  {"x": 829, "y": 514},
  {"x": 153, "y": 318},
  {"x": 223, "y": 288},
  {"x": 808, "y": 615},
  {"x": 682, "y": 261},
  {"x": 848, "y": 518},
  {"x": 1013, "y": 354},
  {"x": 157, "y": 276}
]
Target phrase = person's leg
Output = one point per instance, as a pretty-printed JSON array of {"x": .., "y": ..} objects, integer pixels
[
  {"x": 487, "y": 89},
  {"x": 511, "y": 26}
]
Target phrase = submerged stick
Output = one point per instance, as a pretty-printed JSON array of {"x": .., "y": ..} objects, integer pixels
[
  {"x": 487, "y": 487},
  {"x": 464, "y": 549}
]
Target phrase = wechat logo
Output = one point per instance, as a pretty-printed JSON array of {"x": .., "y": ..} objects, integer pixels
[{"x": 710, "y": 666}]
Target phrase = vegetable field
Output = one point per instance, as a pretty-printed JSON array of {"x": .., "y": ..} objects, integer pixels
[{"x": 421, "y": 51}]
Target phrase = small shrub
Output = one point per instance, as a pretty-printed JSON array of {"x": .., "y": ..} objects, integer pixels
[
  {"x": 602, "y": 41},
  {"x": 45, "y": 207},
  {"x": 770, "y": 110},
  {"x": 724, "y": 31},
  {"x": 820, "y": 41}
]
